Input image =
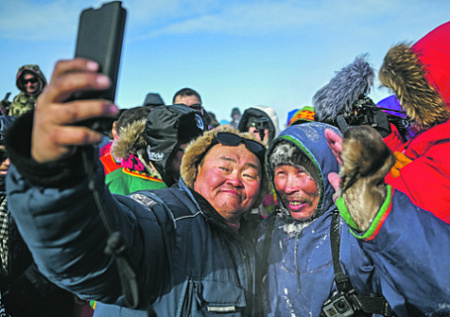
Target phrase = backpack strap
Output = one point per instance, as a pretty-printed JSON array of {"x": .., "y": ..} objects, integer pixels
[{"x": 368, "y": 304}]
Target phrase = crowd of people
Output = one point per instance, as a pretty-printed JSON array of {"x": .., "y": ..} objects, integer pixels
[{"x": 171, "y": 213}]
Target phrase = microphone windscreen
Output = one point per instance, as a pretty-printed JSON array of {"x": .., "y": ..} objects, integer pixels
[{"x": 344, "y": 89}]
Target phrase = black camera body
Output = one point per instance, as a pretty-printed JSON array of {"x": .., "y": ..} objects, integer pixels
[
  {"x": 262, "y": 124},
  {"x": 364, "y": 112},
  {"x": 338, "y": 306}
]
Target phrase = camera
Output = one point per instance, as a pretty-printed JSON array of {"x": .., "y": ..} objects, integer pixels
[
  {"x": 363, "y": 112},
  {"x": 262, "y": 124},
  {"x": 338, "y": 306}
]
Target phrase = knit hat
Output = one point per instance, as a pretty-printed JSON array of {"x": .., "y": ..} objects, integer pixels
[
  {"x": 286, "y": 153},
  {"x": 420, "y": 77},
  {"x": 302, "y": 115}
]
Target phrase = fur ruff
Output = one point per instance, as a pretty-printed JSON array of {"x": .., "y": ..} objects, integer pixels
[
  {"x": 341, "y": 93},
  {"x": 130, "y": 140},
  {"x": 405, "y": 75},
  {"x": 197, "y": 150}
]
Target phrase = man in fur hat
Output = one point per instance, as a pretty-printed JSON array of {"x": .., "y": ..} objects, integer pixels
[{"x": 184, "y": 242}]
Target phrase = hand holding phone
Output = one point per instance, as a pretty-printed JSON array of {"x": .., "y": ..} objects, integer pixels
[{"x": 100, "y": 38}]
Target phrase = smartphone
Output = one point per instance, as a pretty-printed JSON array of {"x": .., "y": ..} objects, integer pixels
[{"x": 100, "y": 38}]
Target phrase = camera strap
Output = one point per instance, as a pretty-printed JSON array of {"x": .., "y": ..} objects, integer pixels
[{"x": 368, "y": 304}]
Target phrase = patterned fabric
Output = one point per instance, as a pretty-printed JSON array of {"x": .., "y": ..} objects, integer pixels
[
  {"x": 22, "y": 103},
  {"x": 4, "y": 233}
]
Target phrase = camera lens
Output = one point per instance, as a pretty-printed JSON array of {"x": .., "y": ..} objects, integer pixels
[{"x": 341, "y": 306}]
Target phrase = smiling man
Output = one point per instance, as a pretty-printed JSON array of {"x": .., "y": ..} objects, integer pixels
[
  {"x": 184, "y": 241},
  {"x": 317, "y": 259}
]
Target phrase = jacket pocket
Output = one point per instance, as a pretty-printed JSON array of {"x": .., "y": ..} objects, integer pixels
[{"x": 216, "y": 298}]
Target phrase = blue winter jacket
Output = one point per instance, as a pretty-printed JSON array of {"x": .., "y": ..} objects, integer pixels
[
  {"x": 403, "y": 256},
  {"x": 187, "y": 260}
]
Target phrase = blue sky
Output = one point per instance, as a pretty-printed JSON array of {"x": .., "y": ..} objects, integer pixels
[{"x": 235, "y": 53}]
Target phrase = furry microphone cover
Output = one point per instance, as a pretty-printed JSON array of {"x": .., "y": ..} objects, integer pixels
[{"x": 342, "y": 92}]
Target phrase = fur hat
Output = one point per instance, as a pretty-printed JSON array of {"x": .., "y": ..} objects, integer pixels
[
  {"x": 286, "y": 153},
  {"x": 420, "y": 77},
  {"x": 197, "y": 150}
]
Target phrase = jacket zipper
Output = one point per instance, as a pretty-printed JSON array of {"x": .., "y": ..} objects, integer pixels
[{"x": 187, "y": 301}]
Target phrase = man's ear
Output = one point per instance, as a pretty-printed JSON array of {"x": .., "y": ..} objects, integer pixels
[{"x": 114, "y": 130}]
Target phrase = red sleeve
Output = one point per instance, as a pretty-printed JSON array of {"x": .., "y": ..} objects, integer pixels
[{"x": 426, "y": 180}]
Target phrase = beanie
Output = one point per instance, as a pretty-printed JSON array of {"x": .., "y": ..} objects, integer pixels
[
  {"x": 302, "y": 115},
  {"x": 286, "y": 153}
]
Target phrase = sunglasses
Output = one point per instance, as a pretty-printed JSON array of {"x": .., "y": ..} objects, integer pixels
[
  {"x": 196, "y": 106},
  {"x": 231, "y": 139},
  {"x": 31, "y": 80}
]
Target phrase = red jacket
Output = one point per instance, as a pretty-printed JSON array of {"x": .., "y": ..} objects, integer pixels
[{"x": 426, "y": 178}]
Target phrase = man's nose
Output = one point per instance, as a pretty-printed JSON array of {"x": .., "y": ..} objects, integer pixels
[
  {"x": 234, "y": 179},
  {"x": 292, "y": 185}
]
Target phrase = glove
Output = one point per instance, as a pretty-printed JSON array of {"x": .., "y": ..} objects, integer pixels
[{"x": 401, "y": 160}]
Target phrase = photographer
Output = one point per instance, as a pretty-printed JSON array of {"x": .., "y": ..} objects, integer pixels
[
  {"x": 419, "y": 76},
  {"x": 261, "y": 121}
]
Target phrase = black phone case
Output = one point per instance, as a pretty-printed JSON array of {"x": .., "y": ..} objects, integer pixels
[{"x": 100, "y": 38}]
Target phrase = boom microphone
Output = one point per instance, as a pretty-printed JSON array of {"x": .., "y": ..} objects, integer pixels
[{"x": 350, "y": 85}]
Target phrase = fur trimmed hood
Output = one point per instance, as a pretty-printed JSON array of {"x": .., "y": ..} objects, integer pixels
[
  {"x": 309, "y": 139},
  {"x": 36, "y": 71},
  {"x": 131, "y": 139},
  {"x": 259, "y": 112},
  {"x": 158, "y": 137},
  {"x": 420, "y": 77},
  {"x": 197, "y": 150}
]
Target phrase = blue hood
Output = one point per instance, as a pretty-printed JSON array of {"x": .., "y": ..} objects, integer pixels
[{"x": 310, "y": 139}]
